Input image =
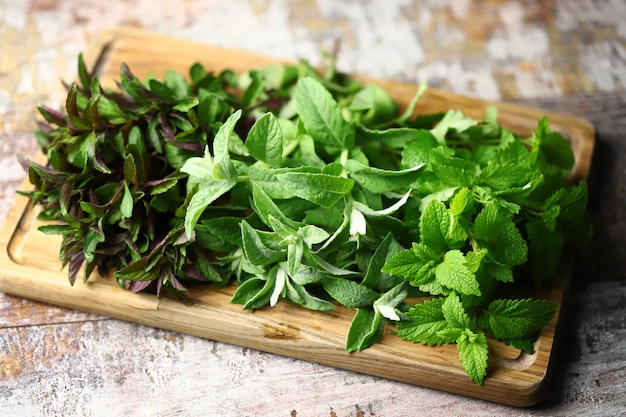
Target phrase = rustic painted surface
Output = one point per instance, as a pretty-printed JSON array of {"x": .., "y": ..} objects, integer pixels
[{"x": 567, "y": 55}]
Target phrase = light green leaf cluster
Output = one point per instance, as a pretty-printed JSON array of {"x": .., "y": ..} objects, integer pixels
[{"x": 492, "y": 214}]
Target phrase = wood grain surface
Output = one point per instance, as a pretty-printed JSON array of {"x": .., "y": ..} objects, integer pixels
[{"x": 562, "y": 55}]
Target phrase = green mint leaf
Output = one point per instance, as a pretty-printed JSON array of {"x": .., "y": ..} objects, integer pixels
[
  {"x": 177, "y": 84},
  {"x": 458, "y": 229},
  {"x": 109, "y": 110},
  {"x": 425, "y": 321},
  {"x": 71, "y": 107},
  {"x": 83, "y": 74},
  {"x": 358, "y": 224},
  {"x": 265, "y": 207},
  {"x": 91, "y": 240},
  {"x": 278, "y": 76},
  {"x": 220, "y": 234},
  {"x": 511, "y": 171},
  {"x": 200, "y": 261},
  {"x": 266, "y": 179},
  {"x": 298, "y": 294},
  {"x": 312, "y": 235},
  {"x": 495, "y": 227},
  {"x": 200, "y": 168},
  {"x": 550, "y": 216},
  {"x": 473, "y": 353},
  {"x": 364, "y": 99},
  {"x": 488, "y": 196},
  {"x": 433, "y": 287},
  {"x": 511, "y": 248},
  {"x": 455, "y": 314},
  {"x": 374, "y": 277},
  {"x": 209, "y": 191},
  {"x": 254, "y": 292},
  {"x": 349, "y": 293},
  {"x": 186, "y": 104},
  {"x": 544, "y": 250},
  {"x": 261, "y": 248},
  {"x": 387, "y": 303},
  {"x": 451, "y": 334},
  {"x": 308, "y": 275},
  {"x": 87, "y": 149},
  {"x": 554, "y": 148},
  {"x": 375, "y": 103},
  {"x": 136, "y": 271},
  {"x": 222, "y": 167},
  {"x": 329, "y": 219},
  {"x": 489, "y": 222},
  {"x": 435, "y": 224},
  {"x": 161, "y": 90},
  {"x": 418, "y": 150},
  {"x": 164, "y": 185},
  {"x": 411, "y": 267},
  {"x": 56, "y": 229},
  {"x": 126, "y": 206},
  {"x": 322, "y": 117},
  {"x": 383, "y": 213},
  {"x": 367, "y": 328},
  {"x": 502, "y": 273},
  {"x": 305, "y": 154},
  {"x": 523, "y": 344},
  {"x": 341, "y": 232},
  {"x": 318, "y": 262},
  {"x": 571, "y": 220},
  {"x": 462, "y": 202},
  {"x": 451, "y": 170},
  {"x": 324, "y": 190},
  {"x": 286, "y": 233},
  {"x": 518, "y": 319},
  {"x": 381, "y": 181},
  {"x": 295, "y": 252},
  {"x": 265, "y": 140},
  {"x": 453, "y": 120},
  {"x": 397, "y": 138},
  {"x": 454, "y": 274},
  {"x": 253, "y": 88}
]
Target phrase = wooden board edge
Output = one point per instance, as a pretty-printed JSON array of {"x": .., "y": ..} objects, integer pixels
[{"x": 165, "y": 314}]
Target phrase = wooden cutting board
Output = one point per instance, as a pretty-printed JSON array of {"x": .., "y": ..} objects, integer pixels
[{"x": 30, "y": 266}]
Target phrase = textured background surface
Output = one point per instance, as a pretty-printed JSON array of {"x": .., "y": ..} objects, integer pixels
[{"x": 566, "y": 55}]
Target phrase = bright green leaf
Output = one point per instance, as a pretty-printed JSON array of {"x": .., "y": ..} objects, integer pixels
[
  {"x": 265, "y": 140},
  {"x": 126, "y": 206},
  {"x": 366, "y": 328},
  {"x": 322, "y": 117},
  {"x": 517, "y": 319},
  {"x": 425, "y": 321},
  {"x": 473, "y": 352},
  {"x": 208, "y": 193},
  {"x": 324, "y": 190},
  {"x": 350, "y": 293},
  {"x": 454, "y": 274}
]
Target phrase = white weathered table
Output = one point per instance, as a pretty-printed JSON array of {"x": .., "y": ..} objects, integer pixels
[{"x": 564, "y": 55}]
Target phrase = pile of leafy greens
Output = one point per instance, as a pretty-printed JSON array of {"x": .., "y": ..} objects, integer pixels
[{"x": 314, "y": 189}]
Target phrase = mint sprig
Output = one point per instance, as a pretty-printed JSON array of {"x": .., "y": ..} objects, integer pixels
[{"x": 315, "y": 190}]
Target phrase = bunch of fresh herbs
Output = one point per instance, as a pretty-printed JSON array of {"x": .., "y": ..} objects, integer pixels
[{"x": 313, "y": 189}]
